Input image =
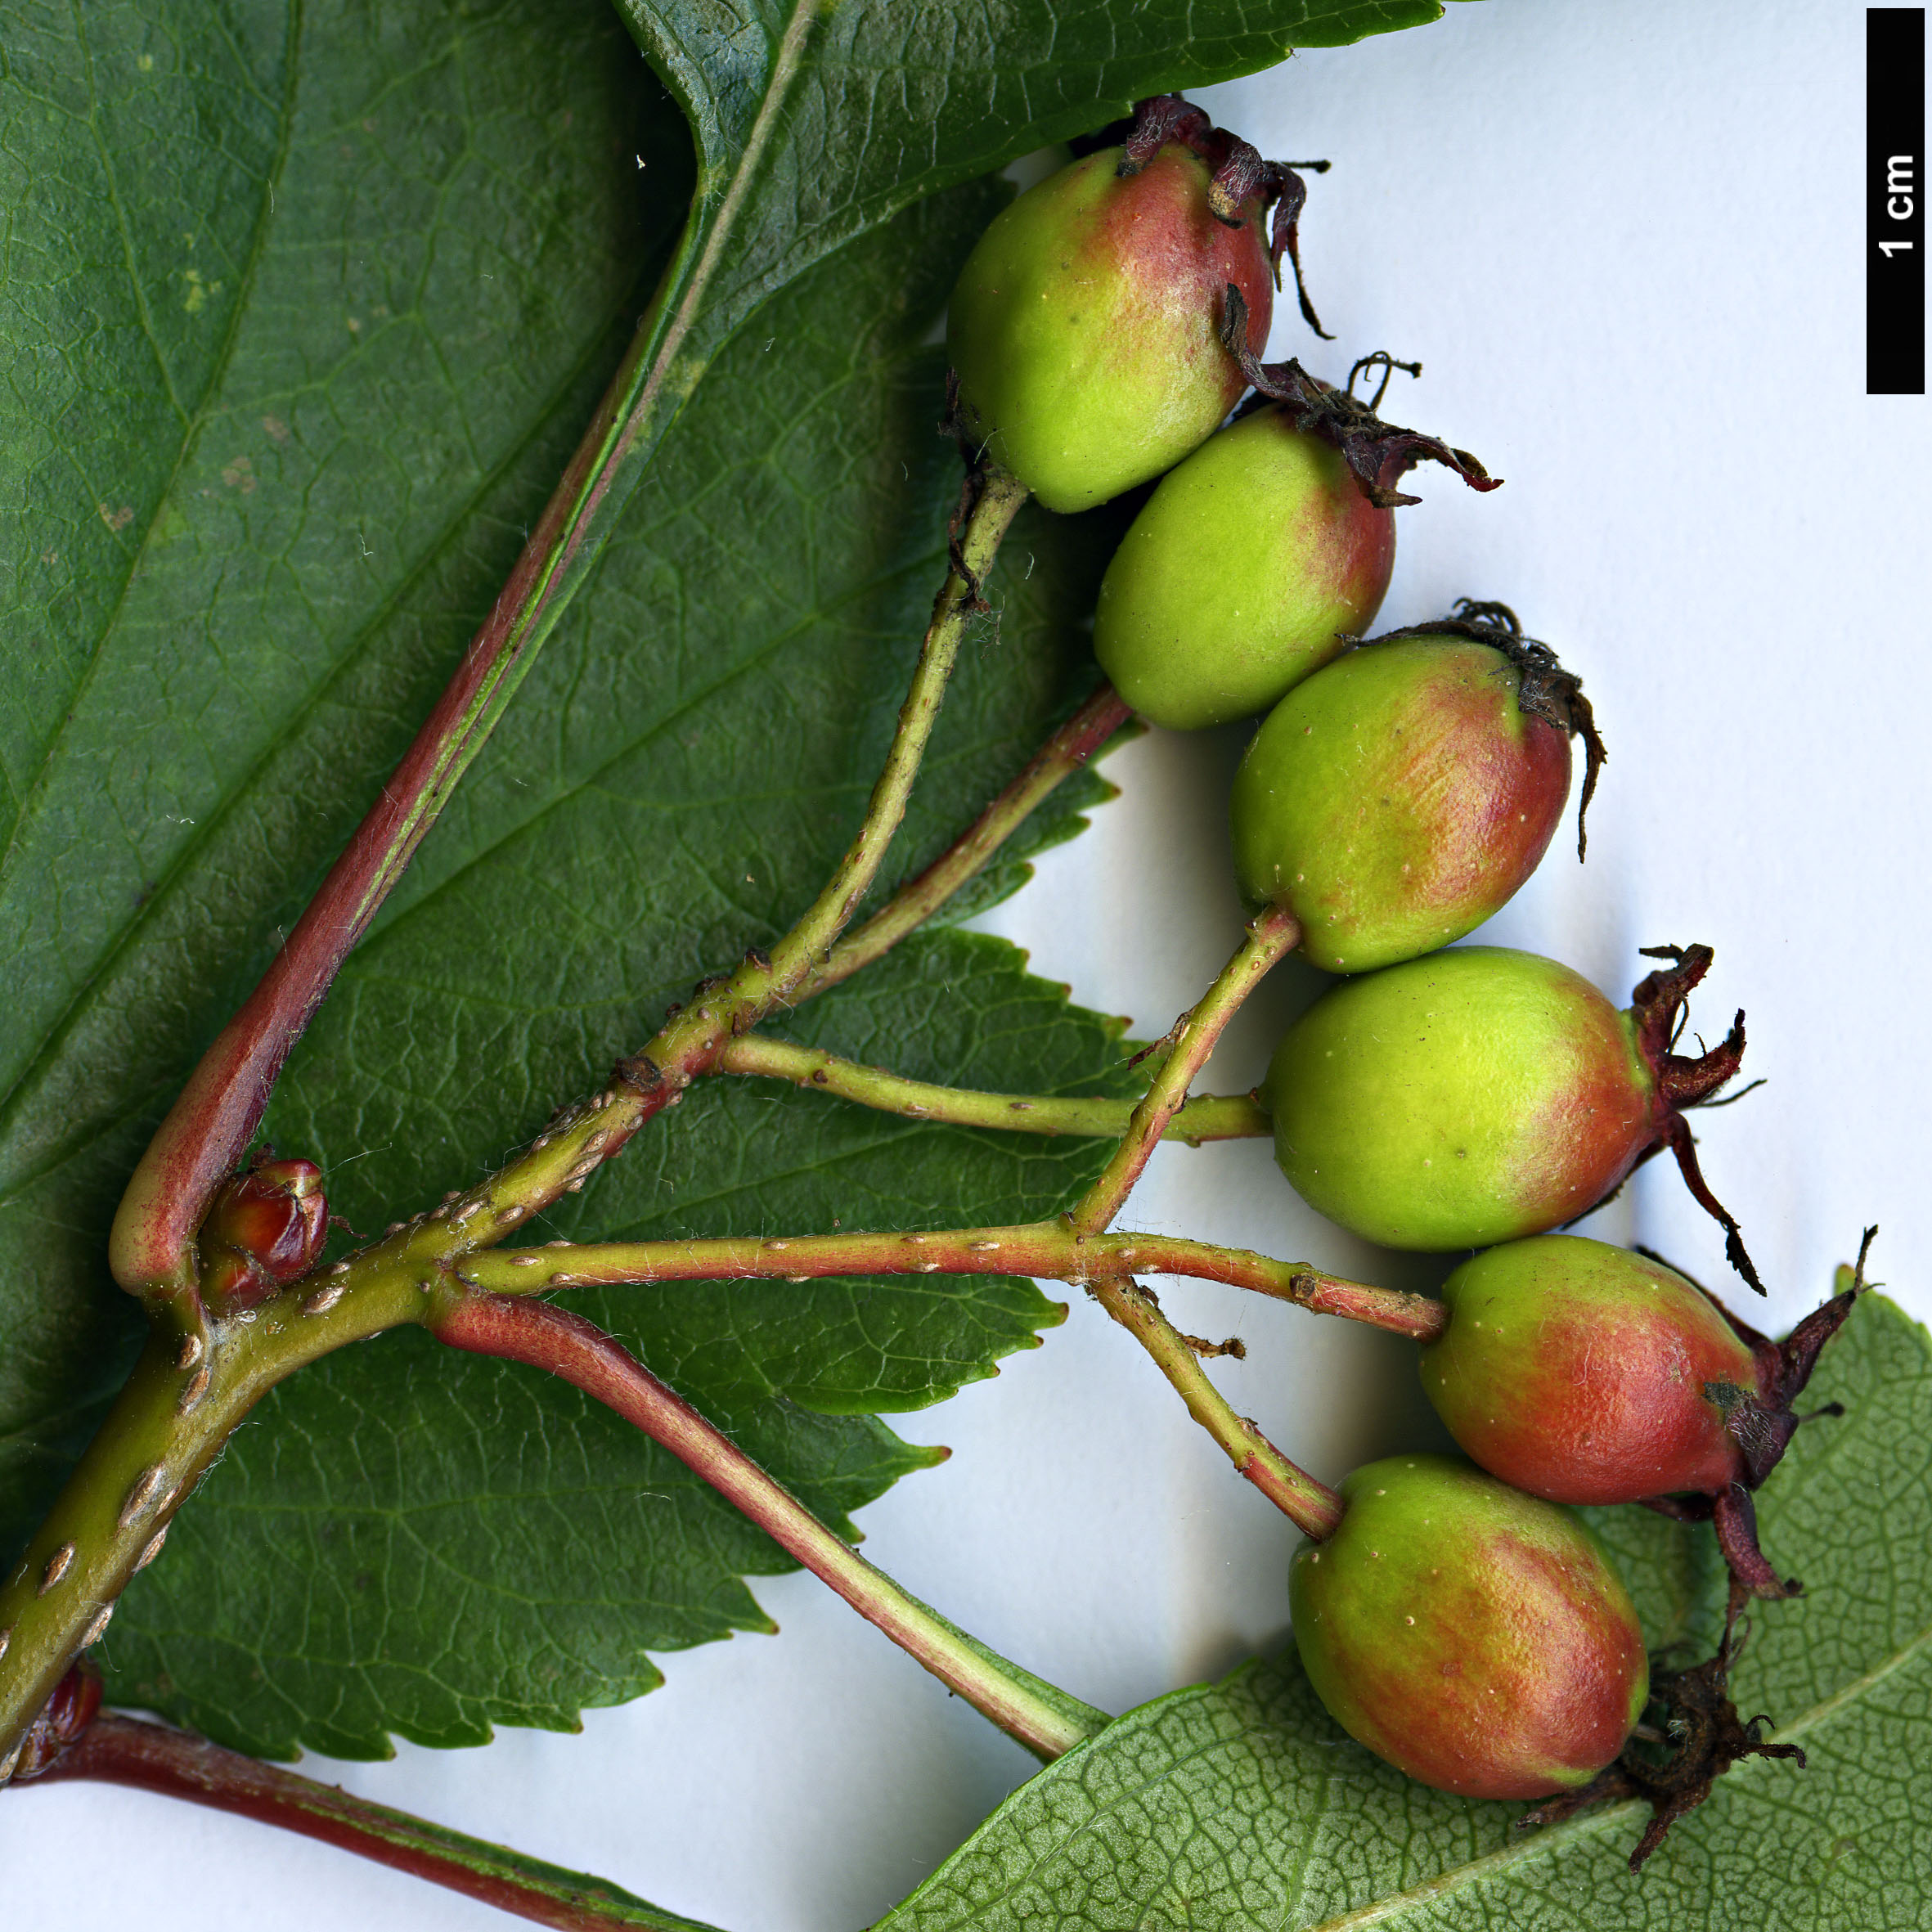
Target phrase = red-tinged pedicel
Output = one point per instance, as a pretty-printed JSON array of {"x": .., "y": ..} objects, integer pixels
[
  {"x": 1585, "y": 1374},
  {"x": 1477, "y": 1638}
]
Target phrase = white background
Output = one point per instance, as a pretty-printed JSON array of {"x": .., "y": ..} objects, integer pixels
[{"x": 1626, "y": 238}]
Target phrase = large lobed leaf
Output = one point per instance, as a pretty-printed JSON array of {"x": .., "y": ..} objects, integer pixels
[
  {"x": 391, "y": 1499},
  {"x": 303, "y": 310},
  {"x": 1242, "y": 1804}
]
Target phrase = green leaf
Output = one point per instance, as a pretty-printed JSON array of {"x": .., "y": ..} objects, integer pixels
[
  {"x": 292, "y": 352},
  {"x": 1242, "y": 1804},
  {"x": 409, "y": 1542},
  {"x": 288, "y": 358},
  {"x": 302, "y": 312},
  {"x": 385, "y": 1499},
  {"x": 813, "y": 123}
]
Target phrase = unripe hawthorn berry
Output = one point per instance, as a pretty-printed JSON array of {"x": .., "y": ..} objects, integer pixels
[
  {"x": 1587, "y": 1373},
  {"x": 1242, "y": 572},
  {"x": 1085, "y": 327},
  {"x": 266, "y": 1228},
  {"x": 1477, "y": 1638},
  {"x": 1263, "y": 554},
  {"x": 1481, "y": 1094},
  {"x": 1398, "y": 798}
]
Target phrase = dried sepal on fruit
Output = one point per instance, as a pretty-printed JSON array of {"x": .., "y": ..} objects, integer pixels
[
  {"x": 1379, "y": 454},
  {"x": 1702, "y": 1736}
]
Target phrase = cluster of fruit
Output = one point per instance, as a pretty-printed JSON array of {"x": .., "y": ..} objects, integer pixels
[
  {"x": 1457, "y": 1621},
  {"x": 1455, "y": 1616}
]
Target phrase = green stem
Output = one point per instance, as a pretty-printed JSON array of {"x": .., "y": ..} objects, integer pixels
[
  {"x": 1270, "y": 934},
  {"x": 188, "y": 1393},
  {"x": 563, "y": 1157},
  {"x": 1313, "y": 1508},
  {"x": 1054, "y": 1250},
  {"x": 122, "y": 1750},
  {"x": 1212, "y": 1116},
  {"x": 237, "y": 1359},
  {"x": 998, "y": 497},
  {"x": 1064, "y": 753},
  {"x": 1044, "y": 1719},
  {"x": 1049, "y": 1250},
  {"x": 689, "y": 1043}
]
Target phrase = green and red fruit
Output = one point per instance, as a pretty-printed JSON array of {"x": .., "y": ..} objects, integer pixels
[
  {"x": 1398, "y": 798},
  {"x": 1085, "y": 330},
  {"x": 1480, "y": 1094},
  {"x": 1477, "y": 1638},
  {"x": 1587, "y": 1374},
  {"x": 266, "y": 1228},
  {"x": 1244, "y": 572}
]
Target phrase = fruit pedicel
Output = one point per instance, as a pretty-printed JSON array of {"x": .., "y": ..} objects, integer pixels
[{"x": 1453, "y": 1618}]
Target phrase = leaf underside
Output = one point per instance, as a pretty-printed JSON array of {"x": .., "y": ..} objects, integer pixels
[{"x": 1242, "y": 1805}]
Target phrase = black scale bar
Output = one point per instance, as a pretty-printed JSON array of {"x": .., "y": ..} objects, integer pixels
[{"x": 1894, "y": 201}]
